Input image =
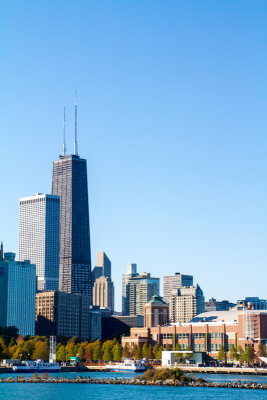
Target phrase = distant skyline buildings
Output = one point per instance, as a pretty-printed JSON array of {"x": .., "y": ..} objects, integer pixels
[
  {"x": 39, "y": 218},
  {"x": 103, "y": 293},
  {"x": 185, "y": 303},
  {"x": 104, "y": 262},
  {"x": 173, "y": 282},
  {"x": 137, "y": 290}
]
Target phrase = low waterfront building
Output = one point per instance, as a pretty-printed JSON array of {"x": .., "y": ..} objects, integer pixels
[
  {"x": 17, "y": 293},
  {"x": 207, "y": 332}
]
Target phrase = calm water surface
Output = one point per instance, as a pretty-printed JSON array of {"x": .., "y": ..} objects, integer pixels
[
  {"x": 58, "y": 391},
  {"x": 129, "y": 375},
  {"x": 82, "y": 392}
]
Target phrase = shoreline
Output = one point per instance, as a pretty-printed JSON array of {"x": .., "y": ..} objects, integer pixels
[{"x": 139, "y": 382}]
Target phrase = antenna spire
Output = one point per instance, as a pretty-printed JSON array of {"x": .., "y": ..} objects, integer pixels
[
  {"x": 75, "y": 139},
  {"x": 64, "y": 134}
]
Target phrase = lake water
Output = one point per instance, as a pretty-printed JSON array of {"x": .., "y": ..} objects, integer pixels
[{"x": 56, "y": 391}]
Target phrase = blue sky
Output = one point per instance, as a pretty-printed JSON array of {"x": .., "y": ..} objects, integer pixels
[{"x": 171, "y": 119}]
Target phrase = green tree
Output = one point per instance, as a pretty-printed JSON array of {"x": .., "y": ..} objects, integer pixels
[
  {"x": 117, "y": 353},
  {"x": 155, "y": 350},
  {"x": 159, "y": 353},
  {"x": 262, "y": 350},
  {"x": 144, "y": 350},
  {"x": 150, "y": 354},
  {"x": 240, "y": 354},
  {"x": 178, "y": 357},
  {"x": 126, "y": 352},
  {"x": 107, "y": 355},
  {"x": 80, "y": 350},
  {"x": 61, "y": 354},
  {"x": 41, "y": 351},
  {"x": 232, "y": 352},
  {"x": 71, "y": 349},
  {"x": 248, "y": 354},
  {"x": 137, "y": 352},
  {"x": 221, "y": 354},
  {"x": 97, "y": 351},
  {"x": 89, "y": 353}
]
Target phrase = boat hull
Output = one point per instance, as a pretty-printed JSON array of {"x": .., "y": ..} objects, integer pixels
[
  {"x": 125, "y": 370},
  {"x": 30, "y": 370}
]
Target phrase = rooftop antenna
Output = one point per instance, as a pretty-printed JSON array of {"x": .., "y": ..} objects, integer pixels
[
  {"x": 64, "y": 134},
  {"x": 75, "y": 140}
]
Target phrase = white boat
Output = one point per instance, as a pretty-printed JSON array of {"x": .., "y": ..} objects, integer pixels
[
  {"x": 127, "y": 366},
  {"x": 37, "y": 366}
]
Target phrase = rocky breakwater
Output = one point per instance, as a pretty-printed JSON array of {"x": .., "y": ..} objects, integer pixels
[{"x": 135, "y": 381}]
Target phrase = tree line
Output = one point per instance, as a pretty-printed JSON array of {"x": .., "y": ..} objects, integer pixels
[{"x": 13, "y": 346}]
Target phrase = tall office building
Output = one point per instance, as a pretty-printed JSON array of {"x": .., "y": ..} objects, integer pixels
[
  {"x": 104, "y": 262},
  {"x": 140, "y": 288},
  {"x": 70, "y": 183},
  {"x": 103, "y": 267},
  {"x": 62, "y": 314},
  {"x": 39, "y": 237},
  {"x": 186, "y": 303},
  {"x": 103, "y": 293},
  {"x": 131, "y": 272},
  {"x": 174, "y": 282},
  {"x": 17, "y": 294}
]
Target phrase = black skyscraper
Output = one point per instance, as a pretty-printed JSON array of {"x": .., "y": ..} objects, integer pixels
[{"x": 70, "y": 183}]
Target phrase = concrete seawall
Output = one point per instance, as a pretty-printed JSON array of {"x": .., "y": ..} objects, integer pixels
[{"x": 223, "y": 370}]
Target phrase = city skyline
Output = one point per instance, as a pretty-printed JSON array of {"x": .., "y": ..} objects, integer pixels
[{"x": 172, "y": 124}]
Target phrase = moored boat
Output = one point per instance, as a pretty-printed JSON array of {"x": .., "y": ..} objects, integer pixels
[
  {"x": 36, "y": 366},
  {"x": 127, "y": 365}
]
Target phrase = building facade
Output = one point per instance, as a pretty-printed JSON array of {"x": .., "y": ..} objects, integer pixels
[
  {"x": 207, "y": 333},
  {"x": 17, "y": 294},
  {"x": 186, "y": 303},
  {"x": 39, "y": 237},
  {"x": 103, "y": 293},
  {"x": 104, "y": 262},
  {"x": 131, "y": 272},
  {"x": 62, "y": 314},
  {"x": 140, "y": 289},
  {"x": 254, "y": 303},
  {"x": 156, "y": 312},
  {"x": 214, "y": 305},
  {"x": 173, "y": 282},
  {"x": 70, "y": 183}
]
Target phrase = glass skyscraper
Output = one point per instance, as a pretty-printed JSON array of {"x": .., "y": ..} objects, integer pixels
[
  {"x": 17, "y": 294},
  {"x": 70, "y": 183},
  {"x": 39, "y": 237}
]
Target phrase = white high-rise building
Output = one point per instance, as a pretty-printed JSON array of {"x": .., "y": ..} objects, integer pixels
[
  {"x": 39, "y": 237},
  {"x": 103, "y": 293}
]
